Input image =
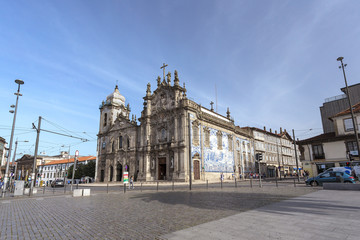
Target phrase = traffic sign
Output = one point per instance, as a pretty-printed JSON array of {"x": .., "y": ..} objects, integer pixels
[
  {"x": 126, "y": 177},
  {"x": 76, "y": 153}
]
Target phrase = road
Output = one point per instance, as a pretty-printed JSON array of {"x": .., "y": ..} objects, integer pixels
[{"x": 136, "y": 214}]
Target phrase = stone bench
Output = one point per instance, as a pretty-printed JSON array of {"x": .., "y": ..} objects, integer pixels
[{"x": 341, "y": 186}]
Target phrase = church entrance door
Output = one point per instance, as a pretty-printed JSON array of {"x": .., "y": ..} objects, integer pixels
[
  {"x": 162, "y": 169},
  {"x": 196, "y": 170},
  {"x": 102, "y": 176},
  {"x": 111, "y": 173},
  {"x": 118, "y": 172}
]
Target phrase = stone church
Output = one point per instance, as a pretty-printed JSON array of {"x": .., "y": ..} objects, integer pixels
[{"x": 173, "y": 139}]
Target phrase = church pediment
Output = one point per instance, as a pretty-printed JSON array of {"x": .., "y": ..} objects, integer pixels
[
  {"x": 121, "y": 123},
  {"x": 163, "y": 100}
]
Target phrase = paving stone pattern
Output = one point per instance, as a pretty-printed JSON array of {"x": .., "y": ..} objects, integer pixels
[{"x": 133, "y": 215}]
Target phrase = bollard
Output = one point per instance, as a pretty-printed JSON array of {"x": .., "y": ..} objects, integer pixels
[
  {"x": 221, "y": 183},
  {"x": 64, "y": 188},
  {"x": 235, "y": 183},
  {"x": 141, "y": 187},
  {"x": 44, "y": 190},
  {"x": 77, "y": 186},
  {"x": 173, "y": 185},
  {"x": 294, "y": 183},
  {"x": 54, "y": 189},
  {"x": 157, "y": 186},
  {"x": 276, "y": 182},
  {"x": 207, "y": 184},
  {"x": 251, "y": 182},
  {"x": 107, "y": 188},
  {"x": 124, "y": 188}
]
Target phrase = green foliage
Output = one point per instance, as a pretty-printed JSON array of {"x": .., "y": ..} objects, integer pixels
[{"x": 82, "y": 170}]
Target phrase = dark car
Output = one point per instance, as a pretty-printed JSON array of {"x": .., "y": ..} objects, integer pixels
[
  {"x": 330, "y": 177},
  {"x": 57, "y": 183}
]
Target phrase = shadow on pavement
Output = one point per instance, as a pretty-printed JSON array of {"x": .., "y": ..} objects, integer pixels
[{"x": 235, "y": 201}]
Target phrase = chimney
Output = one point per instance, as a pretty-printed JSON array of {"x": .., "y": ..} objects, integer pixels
[
  {"x": 264, "y": 128},
  {"x": 280, "y": 130},
  {"x": 270, "y": 130},
  {"x": 275, "y": 132}
]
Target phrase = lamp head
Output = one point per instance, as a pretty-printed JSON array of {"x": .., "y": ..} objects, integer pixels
[
  {"x": 19, "y": 81},
  {"x": 339, "y": 58},
  {"x": 11, "y": 111}
]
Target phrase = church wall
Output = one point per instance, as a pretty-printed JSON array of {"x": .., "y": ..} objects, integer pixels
[{"x": 214, "y": 159}]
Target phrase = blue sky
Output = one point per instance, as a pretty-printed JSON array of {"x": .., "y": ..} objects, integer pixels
[{"x": 273, "y": 62}]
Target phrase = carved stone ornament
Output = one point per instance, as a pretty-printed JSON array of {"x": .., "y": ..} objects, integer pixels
[
  {"x": 176, "y": 80},
  {"x": 169, "y": 78},
  {"x": 148, "y": 90}
]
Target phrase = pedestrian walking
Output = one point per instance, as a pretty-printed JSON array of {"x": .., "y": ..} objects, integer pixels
[
  {"x": 222, "y": 176},
  {"x": 131, "y": 185}
]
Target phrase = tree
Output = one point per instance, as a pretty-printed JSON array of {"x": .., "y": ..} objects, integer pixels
[{"x": 83, "y": 170}]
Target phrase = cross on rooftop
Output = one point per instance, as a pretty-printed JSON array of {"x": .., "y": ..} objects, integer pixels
[{"x": 163, "y": 67}]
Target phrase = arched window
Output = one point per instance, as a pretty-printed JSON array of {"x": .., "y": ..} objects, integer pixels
[
  {"x": 219, "y": 139},
  {"x": 230, "y": 143},
  {"x": 195, "y": 126},
  {"x": 207, "y": 137},
  {"x": 163, "y": 134},
  {"x": 120, "y": 142},
  {"x": 128, "y": 143},
  {"x": 113, "y": 146},
  {"x": 105, "y": 119}
]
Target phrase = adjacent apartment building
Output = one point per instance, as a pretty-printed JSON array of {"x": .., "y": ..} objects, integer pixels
[{"x": 333, "y": 148}]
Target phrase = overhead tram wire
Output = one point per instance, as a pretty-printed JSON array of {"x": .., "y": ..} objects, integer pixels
[
  {"x": 62, "y": 128},
  {"x": 66, "y": 135}
]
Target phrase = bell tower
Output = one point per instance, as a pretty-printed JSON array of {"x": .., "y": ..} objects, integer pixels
[{"x": 113, "y": 107}]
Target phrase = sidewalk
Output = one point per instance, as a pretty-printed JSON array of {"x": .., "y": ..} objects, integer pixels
[{"x": 320, "y": 215}]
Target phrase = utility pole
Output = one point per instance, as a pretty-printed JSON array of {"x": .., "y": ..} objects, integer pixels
[
  {"x": 278, "y": 157},
  {"x": 6, "y": 177},
  {"x": 74, "y": 168},
  {"x": 350, "y": 105},
  {"x": 296, "y": 157},
  {"x": 33, "y": 180}
]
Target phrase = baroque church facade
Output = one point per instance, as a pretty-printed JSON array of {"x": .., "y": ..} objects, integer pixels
[{"x": 174, "y": 138}]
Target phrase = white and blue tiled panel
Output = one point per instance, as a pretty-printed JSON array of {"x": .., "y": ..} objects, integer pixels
[{"x": 215, "y": 160}]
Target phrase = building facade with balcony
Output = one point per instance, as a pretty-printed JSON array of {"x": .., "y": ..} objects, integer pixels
[
  {"x": 3, "y": 159},
  {"x": 278, "y": 152},
  {"x": 332, "y": 149}
]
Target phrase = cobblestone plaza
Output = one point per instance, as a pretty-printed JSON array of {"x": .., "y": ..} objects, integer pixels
[{"x": 132, "y": 215}]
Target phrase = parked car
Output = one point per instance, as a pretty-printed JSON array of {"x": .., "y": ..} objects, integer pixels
[
  {"x": 330, "y": 177},
  {"x": 57, "y": 183}
]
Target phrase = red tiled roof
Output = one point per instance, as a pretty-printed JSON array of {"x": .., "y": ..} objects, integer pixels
[
  {"x": 326, "y": 137},
  {"x": 356, "y": 109},
  {"x": 81, "y": 159}
]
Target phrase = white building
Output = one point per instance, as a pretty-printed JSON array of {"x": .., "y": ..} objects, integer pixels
[{"x": 57, "y": 168}]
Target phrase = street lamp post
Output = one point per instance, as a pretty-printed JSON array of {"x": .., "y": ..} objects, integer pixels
[
  {"x": 350, "y": 105},
  {"x": 19, "y": 82}
]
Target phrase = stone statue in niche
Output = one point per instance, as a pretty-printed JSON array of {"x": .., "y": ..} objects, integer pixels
[
  {"x": 153, "y": 163},
  {"x": 172, "y": 162}
]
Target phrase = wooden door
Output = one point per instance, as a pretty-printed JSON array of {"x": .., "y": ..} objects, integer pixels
[{"x": 196, "y": 170}]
